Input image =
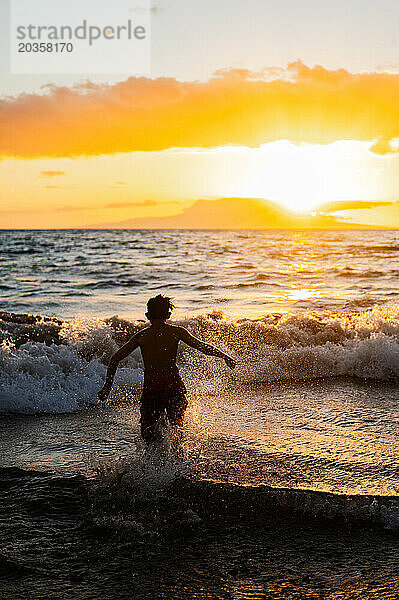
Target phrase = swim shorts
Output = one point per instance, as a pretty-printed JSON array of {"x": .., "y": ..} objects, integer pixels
[{"x": 166, "y": 394}]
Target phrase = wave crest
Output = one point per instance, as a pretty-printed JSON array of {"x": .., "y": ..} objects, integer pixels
[{"x": 55, "y": 365}]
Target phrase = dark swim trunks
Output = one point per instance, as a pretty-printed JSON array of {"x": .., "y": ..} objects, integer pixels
[{"x": 166, "y": 394}]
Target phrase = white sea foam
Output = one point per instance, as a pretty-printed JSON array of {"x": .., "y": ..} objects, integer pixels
[
  {"x": 40, "y": 378},
  {"x": 65, "y": 376}
]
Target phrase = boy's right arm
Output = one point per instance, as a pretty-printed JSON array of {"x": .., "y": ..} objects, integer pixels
[{"x": 124, "y": 351}]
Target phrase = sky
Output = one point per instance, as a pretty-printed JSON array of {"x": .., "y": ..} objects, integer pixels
[{"x": 295, "y": 102}]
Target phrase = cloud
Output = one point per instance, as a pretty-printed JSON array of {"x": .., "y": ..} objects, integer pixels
[
  {"x": 51, "y": 173},
  {"x": 383, "y": 147},
  {"x": 131, "y": 204},
  {"x": 351, "y": 205},
  {"x": 72, "y": 208},
  {"x": 236, "y": 106},
  {"x": 68, "y": 208}
]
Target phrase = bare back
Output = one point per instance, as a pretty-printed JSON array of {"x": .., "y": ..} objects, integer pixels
[
  {"x": 158, "y": 344},
  {"x": 158, "y": 347}
]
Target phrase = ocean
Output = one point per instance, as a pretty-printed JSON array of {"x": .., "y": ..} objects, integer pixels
[{"x": 288, "y": 482}]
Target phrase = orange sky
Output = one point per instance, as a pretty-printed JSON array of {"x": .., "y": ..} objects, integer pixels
[{"x": 299, "y": 136}]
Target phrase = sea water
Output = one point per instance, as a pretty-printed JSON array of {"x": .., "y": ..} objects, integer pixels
[{"x": 308, "y": 420}]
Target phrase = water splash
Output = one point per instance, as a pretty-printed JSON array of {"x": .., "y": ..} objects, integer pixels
[{"x": 132, "y": 495}]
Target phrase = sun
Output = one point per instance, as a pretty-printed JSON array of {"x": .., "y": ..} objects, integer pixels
[{"x": 303, "y": 177}]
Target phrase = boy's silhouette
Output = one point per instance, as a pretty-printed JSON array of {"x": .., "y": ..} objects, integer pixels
[{"x": 163, "y": 390}]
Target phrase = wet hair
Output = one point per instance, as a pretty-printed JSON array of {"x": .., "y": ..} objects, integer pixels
[{"x": 159, "y": 307}]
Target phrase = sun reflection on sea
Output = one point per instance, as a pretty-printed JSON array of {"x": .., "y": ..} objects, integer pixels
[{"x": 303, "y": 294}]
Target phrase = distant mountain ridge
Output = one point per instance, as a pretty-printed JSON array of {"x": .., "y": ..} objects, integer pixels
[{"x": 232, "y": 213}]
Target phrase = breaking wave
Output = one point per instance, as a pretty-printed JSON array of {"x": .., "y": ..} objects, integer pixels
[{"x": 54, "y": 365}]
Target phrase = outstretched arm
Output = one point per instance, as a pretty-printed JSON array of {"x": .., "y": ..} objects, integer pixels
[
  {"x": 208, "y": 349},
  {"x": 124, "y": 351}
]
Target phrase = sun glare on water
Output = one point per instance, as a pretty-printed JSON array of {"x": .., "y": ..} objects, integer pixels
[{"x": 304, "y": 294}]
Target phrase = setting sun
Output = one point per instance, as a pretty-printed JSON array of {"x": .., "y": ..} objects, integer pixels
[{"x": 306, "y": 176}]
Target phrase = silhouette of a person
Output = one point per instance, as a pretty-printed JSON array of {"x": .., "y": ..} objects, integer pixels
[{"x": 163, "y": 390}]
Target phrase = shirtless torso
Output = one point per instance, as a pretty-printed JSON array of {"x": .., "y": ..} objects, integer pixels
[
  {"x": 159, "y": 350},
  {"x": 163, "y": 390}
]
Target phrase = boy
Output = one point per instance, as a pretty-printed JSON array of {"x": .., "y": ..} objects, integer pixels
[{"x": 163, "y": 390}]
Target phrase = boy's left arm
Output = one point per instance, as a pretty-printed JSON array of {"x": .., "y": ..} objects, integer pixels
[
  {"x": 208, "y": 349},
  {"x": 124, "y": 351}
]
